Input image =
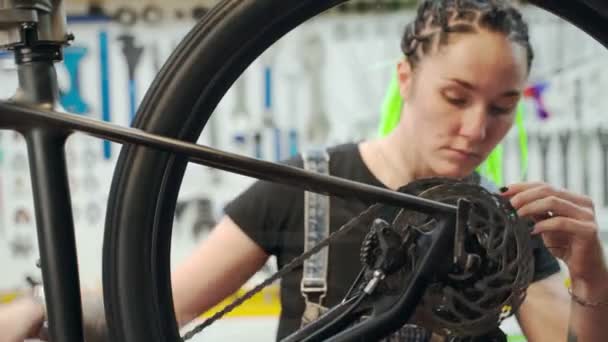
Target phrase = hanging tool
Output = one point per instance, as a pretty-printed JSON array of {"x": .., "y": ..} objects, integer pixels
[
  {"x": 21, "y": 246},
  {"x": 292, "y": 82},
  {"x": 125, "y": 16},
  {"x": 564, "y": 143},
  {"x": 214, "y": 141},
  {"x": 240, "y": 118},
  {"x": 536, "y": 92},
  {"x": 132, "y": 54},
  {"x": 152, "y": 14},
  {"x": 603, "y": 138},
  {"x": 257, "y": 140},
  {"x": 583, "y": 137},
  {"x": 271, "y": 136},
  {"x": 543, "y": 144},
  {"x": 104, "y": 77},
  {"x": 199, "y": 11},
  {"x": 205, "y": 220},
  {"x": 313, "y": 59},
  {"x": 93, "y": 214},
  {"x": 72, "y": 100},
  {"x": 179, "y": 14},
  {"x": 156, "y": 59},
  {"x": 362, "y": 6}
]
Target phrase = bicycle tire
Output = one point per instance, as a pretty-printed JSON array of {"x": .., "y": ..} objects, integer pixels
[{"x": 137, "y": 238}]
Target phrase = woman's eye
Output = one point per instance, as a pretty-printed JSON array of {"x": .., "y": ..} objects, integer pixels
[
  {"x": 497, "y": 110},
  {"x": 455, "y": 100}
]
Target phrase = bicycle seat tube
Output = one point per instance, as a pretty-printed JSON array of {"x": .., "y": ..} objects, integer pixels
[{"x": 35, "y": 31}]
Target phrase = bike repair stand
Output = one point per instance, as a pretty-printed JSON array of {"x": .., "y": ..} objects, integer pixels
[{"x": 35, "y": 30}]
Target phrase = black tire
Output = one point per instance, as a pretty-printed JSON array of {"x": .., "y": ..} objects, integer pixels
[
  {"x": 136, "y": 252},
  {"x": 137, "y": 241}
]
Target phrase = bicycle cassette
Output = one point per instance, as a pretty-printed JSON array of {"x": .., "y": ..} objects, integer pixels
[{"x": 475, "y": 296}]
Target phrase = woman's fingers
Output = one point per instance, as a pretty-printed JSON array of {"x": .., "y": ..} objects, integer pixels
[
  {"x": 555, "y": 206},
  {"x": 523, "y": 193},
  {"x": 581, "y": 229}
]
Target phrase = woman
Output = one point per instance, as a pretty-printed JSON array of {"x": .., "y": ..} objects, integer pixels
[{"x": 465, "y": 69}]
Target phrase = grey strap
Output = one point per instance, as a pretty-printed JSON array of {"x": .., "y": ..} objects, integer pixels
[{"x": 316, "y": 228}]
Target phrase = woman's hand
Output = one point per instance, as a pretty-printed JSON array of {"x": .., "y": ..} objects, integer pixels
[
  {"x": 567, "y": 224},
  {"x": 20, "y": 319}
]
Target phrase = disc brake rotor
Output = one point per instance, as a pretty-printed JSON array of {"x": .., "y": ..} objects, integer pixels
[{"x": 470, "y": 300}]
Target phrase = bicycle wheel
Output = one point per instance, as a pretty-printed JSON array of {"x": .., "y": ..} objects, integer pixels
[
  {"x": 136, "y": 252},
  {"x": 137, "y": 238}
]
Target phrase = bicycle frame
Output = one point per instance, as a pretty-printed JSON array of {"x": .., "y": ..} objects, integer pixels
[{"x": 34, "y": 113}]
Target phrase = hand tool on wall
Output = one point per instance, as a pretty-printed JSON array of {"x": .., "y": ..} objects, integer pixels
[
  {"x": 22, "y": 217},
  {"x": 393, "y": 5},
  {"x": 535, "y": 92},
  {"x": 313, "y": 59},
  {"x": 344, "y": 7},
  {"x": 21, "y": 246},
  {"x": 292, "y": 139},
  {"x": 125, "y": 16},
  {"x": 564, "y": 143},
  {"x": 560, "y": 46},
  {"x": 199, "y": 11},
  {"x": 104, "y": 78},
  {"x": 585, "y": 145},
  {"x": 583, "y": 137},
  {"x": 205, "y": 220},
  {"x": 362, "y": 6},
  {"x": 240, "y": 119},
  {"x": 94, "y": 214},
  {"x": 132, "y": 54},
  {"x": 340, "y": 29},
  {"x": 179, "y": 14},
  {"x": 543, "y": 144},
  {"x": 257, "y": 141},
  {"x": 156, "y": 59},
  {"x": 603, "y": 138},
  {"x": 506, "y": 155},
  {"x": 72, "y": 100},
  {"x": 152, "y": 14},
  {"x": 271, "y": 137},
  {"x": 214, "y": 141},
  {"x": 530, "y": 164}
]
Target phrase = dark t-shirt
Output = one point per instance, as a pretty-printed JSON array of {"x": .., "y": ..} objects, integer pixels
[{"x": 272, "y": 215}]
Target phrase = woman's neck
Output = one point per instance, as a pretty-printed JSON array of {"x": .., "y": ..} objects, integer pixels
[{"x": 390, "y": 160}]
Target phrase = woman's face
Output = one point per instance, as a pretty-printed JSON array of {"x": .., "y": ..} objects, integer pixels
[{"x": 460, "y": 101}]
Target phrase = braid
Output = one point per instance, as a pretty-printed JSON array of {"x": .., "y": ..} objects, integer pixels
[{"x": 436, "y": 19}]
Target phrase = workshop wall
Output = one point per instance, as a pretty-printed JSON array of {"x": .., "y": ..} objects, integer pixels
[{"x": 323, "y": 83}]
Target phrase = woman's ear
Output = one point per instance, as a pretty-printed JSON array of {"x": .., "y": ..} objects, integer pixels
[{"x": 404, "y": 72}]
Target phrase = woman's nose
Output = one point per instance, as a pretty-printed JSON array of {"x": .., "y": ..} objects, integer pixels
[{"x": 474, "y": 124}]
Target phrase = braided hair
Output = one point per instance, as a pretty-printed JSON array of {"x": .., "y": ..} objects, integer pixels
[{"x": 436, "y": 19}]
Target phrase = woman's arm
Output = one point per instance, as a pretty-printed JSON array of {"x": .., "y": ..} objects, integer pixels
[
  {"x": 215, "y": 270},
  {"x": 589, "y": 319},
  {"x": 544, "y": 314}
]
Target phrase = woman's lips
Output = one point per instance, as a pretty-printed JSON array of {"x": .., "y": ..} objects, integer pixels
[{"x": 462, "y": 154}]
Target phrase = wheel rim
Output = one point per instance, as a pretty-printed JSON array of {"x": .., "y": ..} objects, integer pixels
[{"x": 137, "y": 282}]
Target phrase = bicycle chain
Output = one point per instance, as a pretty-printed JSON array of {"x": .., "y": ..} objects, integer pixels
[{"x": 297, "y": 261}]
